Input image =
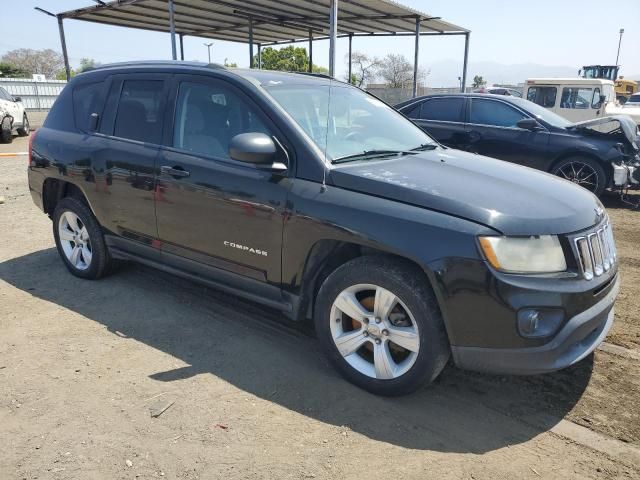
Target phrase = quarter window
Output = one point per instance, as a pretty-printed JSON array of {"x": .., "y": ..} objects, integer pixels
[
  {"x": 443, "y": 109},
  {"x": 87, "y": 99},
  {"x": 208, "y": 116},
  {"x": 576, "y": 98},
  {"x": 495, "y": 113},
  {"x": 543, "y": 96},
  {"x": 139, "y": 114}
]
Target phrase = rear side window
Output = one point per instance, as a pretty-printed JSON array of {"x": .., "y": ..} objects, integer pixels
[
  {"x": 443, "y": 109},
  {"x": 495, "y": 113},
  {"x": 139, "y": 114},
  {"x": 412, "y": 112},
  {"x": 87, "y": 99},
  {"x": 543, "y": 96}
]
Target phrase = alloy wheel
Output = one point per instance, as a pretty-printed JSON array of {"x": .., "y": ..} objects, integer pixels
[
  {"x": 75, "y": 241},
  {"x": 374, "y": 331},
  {"x": 581, "y": 174}
]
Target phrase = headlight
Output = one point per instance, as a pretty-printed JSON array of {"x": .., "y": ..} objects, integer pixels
[{"x": 541, "y": 254}]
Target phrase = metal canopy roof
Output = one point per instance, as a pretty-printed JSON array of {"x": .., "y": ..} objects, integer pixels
[{"x": 272, "y": 21}]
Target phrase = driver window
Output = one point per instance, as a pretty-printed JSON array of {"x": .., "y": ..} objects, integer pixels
[
  {"x": 208, "y": 116},
  {"x": 576, "y": 98}
]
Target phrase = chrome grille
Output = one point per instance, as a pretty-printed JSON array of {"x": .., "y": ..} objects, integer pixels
[{"x": 596, "y": 252}]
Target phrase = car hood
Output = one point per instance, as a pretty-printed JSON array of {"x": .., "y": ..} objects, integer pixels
[
  {"x": 627, "y": 124},
  {"x": 509, "y": 198}
]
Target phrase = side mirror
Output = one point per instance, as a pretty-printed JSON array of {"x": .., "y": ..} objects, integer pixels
[
  {"x": 528, "y": 124},
  {"x": 255, "y": 147},
  {"x": 17, "y": 99},
  {"x": 603, "y": 99}
]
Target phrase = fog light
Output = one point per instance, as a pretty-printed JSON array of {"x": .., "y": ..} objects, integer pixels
[{"x": 535, "y": 323}]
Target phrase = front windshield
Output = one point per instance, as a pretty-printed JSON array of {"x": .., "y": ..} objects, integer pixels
[
  {"x": 344, "y": 121},
  {"x": 544, "y": 114}
]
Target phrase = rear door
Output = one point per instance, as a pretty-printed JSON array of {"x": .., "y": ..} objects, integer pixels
[
  {"x": 132, "y": 126},
  {"x": 492, "y": 131},
  {"x": 443, "y": 119}
]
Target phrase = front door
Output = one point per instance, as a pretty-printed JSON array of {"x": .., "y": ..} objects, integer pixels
[
  {"x": 212, "y": 210},
  {"x": 492, "y": 131},
  {"x": 578, "y": 104}
]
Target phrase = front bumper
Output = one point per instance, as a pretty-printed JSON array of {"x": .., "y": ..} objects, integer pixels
[{"x": 577, "y": 339}]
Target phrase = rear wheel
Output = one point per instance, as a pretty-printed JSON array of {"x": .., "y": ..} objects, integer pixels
[
  {"x": 379, "y": 324},
  {"x": 585, "y": 172},
  {"x": 5, "y": 130},
  {"x": 24, "y": 130},
  {"x": 79, "y": 239}
]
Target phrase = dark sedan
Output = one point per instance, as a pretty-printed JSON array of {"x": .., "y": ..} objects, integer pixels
[{"x": 519, "y": 131}]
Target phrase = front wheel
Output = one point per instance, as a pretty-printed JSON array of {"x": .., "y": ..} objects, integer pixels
[
  {"x": 378, "y": 322},
  {"x": 5, "y": 130},
  {"x": 585, "y": 172}
]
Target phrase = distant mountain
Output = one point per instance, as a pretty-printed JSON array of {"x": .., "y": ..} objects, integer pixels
[{"x": 445, "y": 73}]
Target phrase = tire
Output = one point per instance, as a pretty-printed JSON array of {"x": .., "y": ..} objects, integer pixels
[
  {"x": 582, "y": 171},
  {"x": 92, "y": 259},
  {"x": 415, "y": 311},
  {"x": 5, "y": 130},
  {"x": 25, "y": 129}
]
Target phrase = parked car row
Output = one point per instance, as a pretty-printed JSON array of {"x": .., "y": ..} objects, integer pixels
[{"x": 595, "y": 154}]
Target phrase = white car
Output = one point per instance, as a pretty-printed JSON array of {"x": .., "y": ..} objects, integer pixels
[{"x": 13, "y": 118}]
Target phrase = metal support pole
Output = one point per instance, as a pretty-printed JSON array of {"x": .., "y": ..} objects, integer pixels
[
  {"x": 250, "y": 42},
  {"x": 415, "y": 58},
  {"x": 182, "y": 46},
  {"x": 172, "y": 28},
  {"x": 259, "y": 56},
  {"x": 310, "y": 51},
  {"x": 619, "y": 44},
  {"x": 63, "y": 43},
  {"x": 333, "y": 32},
  {"x": 466, "y": 62},
  {"x": 350, "y": 41}
]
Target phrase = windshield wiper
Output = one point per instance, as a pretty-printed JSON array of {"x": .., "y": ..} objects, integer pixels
[
  {"x": 424, "y": 147},
  {"x": 370, "y": 154}
]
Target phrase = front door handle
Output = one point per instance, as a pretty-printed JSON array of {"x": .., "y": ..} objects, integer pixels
[{"x": 176, "y": 172}]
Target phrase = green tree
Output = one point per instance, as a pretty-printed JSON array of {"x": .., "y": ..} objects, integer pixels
[
  {"x": 87, "y": 64},
  {"x": 478, "y": 82},
  {"x": 288, "y": 59},
  {"x": 10, "y": 71}
]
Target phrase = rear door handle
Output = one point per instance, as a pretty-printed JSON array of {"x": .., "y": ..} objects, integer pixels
[{"x": 176, "y": 172}]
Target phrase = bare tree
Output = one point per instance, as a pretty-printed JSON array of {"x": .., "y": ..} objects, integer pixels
[
  {"x": 47, "y": 62},
  {"x": 397, "y": 71},
  {"x": 364, "y": 68}
]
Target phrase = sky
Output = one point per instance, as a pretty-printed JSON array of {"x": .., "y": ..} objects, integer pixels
[{"x": 546, "y": 32}]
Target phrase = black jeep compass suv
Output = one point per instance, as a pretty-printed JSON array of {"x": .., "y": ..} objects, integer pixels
[{"x": 313, "y": 197}]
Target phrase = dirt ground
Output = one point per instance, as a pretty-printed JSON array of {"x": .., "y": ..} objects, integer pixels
[{"x": 83, "y": 365}]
